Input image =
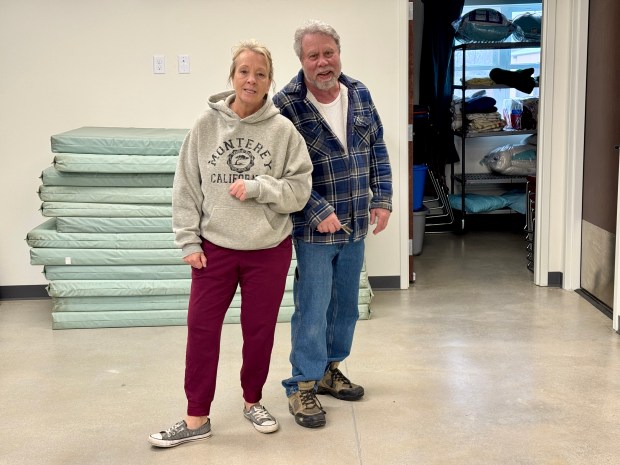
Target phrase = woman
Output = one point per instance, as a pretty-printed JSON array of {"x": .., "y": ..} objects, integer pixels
[{"x": 243, "y": 168}]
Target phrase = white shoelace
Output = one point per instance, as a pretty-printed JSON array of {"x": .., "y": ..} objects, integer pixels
[
  {"x": 174, "y": 429},
  {"x": 260, "y": 413}
]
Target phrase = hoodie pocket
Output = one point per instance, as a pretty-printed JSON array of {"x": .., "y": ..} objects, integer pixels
[{"x": 242, "y": 228}]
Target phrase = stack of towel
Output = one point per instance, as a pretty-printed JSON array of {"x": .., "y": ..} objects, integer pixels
[
  {"x": 480, "y": 111},
  {"x": 107, "y": 247}
]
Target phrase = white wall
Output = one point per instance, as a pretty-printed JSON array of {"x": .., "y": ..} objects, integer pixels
[{"x": 67, "y": 64}]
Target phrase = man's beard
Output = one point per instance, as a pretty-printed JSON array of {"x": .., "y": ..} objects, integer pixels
[{"x": 326, "y": 85}]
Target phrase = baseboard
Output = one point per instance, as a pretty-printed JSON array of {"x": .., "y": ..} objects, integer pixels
[
  {"x": 554, "y": 279},
  {"x": 23, "y": 292},
  {"x": 601, "y": 306},
  {"x": 379, "y": 283}
]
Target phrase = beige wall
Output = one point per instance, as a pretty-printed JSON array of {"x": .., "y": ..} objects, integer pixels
[{"x": 68, "y": 64}]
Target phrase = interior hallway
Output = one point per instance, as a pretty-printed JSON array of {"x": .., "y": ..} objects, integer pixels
[{"x": 473, "y": 365}]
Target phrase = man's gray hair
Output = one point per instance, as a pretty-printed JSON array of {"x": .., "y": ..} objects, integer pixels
[{"x": 314, "y": 26}]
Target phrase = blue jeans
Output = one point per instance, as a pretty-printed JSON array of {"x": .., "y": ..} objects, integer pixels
[{"x": 326, "y": 292}]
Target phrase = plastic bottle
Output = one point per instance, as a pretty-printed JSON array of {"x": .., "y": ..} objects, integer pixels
[{"x": 513, "y": 110}]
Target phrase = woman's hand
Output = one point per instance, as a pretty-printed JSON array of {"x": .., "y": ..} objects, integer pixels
[
  {"x": 196, "y": 260},
  {"x": 237, "y": 189}
]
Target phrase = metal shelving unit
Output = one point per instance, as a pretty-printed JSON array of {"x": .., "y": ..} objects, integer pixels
[{"x": 465, "y": 179}]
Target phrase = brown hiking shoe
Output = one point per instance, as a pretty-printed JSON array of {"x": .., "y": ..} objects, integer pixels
[
  {"x": 338, "y": 385},
  {"x": 305, "y": 407}
]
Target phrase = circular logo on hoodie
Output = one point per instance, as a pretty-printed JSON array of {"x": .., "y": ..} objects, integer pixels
[{"x": 240, "y": 160}]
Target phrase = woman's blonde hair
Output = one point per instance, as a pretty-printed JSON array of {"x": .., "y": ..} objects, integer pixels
[{"x": 254, "y": 46}]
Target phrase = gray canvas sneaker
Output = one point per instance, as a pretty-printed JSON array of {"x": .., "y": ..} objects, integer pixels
[
  {"x": 338, "y": 385},
  {"x": 180, "y": 433},
  {"x": 305, "y": 407},
  {"x": 262, "y": 420}
]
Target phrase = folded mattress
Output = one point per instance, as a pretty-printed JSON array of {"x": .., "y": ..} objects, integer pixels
[
  {"x": 155, "y": 302},
  {"x": 52, "y": 177},
  {"x": 91, "y": 272},
  {"x": 77, "y": 224},
  {"x": 104, "y": 287},
  {"x": 46, "y": 235},
  {"x": 177, "y": 317},
  {"x": 138, "y": 303},
  {"x": 50, "y": 256},
  {"x": 105, "y": 210},
  {"x": 89, "y": 163},
  {"x": 94, "y": 272},
  {"x": 115, "y": 140},
  {"x": 122, "y": 319},
  {"x": 131, "y": 287},
  {"x": 124, "y": 195},
  {"x": 120, "y": 303}
]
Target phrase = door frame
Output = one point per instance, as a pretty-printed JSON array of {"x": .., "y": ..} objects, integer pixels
[{"x": 561, "y": 142}]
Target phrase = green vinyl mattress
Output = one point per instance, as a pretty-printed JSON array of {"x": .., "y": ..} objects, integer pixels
[
  {"x": 94, "y": 272},
  {"x": 120, "y": 303},
  {"x": 138, "y": 271},
  {"x": 155, "y": 302},
  {"x": 88, "y": 163},
  {"x": 124, "y": 195},
  {"x": 96, "y": 304},
  {"x": 105, "y": 210},
  {"x": 149, "y": 303},
  {"x": 50, "y": 256},
  {"x": 53, "y": 177},
  {"x": 124, "y": 319},
  {"x": 117, "y": 140},
  {"x": 104, "y": 287},
  {"x": 46, "y": 235},
  {"x": 91, "y": 272},
  {"x": 112, "y": 287},
  {"x": 77, "y": 224}
]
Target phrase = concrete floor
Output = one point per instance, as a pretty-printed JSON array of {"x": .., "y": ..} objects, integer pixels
[{"x": 473, "y": 365}]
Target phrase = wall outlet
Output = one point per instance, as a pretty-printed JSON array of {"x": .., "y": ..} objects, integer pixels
[
  {"x": 159, "y": 64},
  {"x": 183, "y": 62}
]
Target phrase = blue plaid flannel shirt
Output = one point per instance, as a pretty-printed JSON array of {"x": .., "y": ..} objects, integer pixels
[{"x": 341, "y": 182}]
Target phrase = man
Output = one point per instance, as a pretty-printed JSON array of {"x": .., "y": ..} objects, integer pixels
[{"x": 337, "y": 118}]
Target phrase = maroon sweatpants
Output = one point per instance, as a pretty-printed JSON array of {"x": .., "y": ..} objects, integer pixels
[{"x": 261, "y": 275}]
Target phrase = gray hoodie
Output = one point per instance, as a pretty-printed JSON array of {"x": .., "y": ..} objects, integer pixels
[{"x": 266, "y": 151}]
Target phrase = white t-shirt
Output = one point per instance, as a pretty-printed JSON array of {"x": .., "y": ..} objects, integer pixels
[{"x": 335, "y": 113}]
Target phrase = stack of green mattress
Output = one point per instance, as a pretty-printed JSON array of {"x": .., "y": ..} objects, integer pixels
[{"x": 107, "y": 247}]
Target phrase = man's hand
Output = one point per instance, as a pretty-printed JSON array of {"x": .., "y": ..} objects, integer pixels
[
  {"x": 196, "y": 260},
  {"x": 331, "y": 224},
  {"x": 237, "y": 189},
  {"x": 380, "y": 217}
]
